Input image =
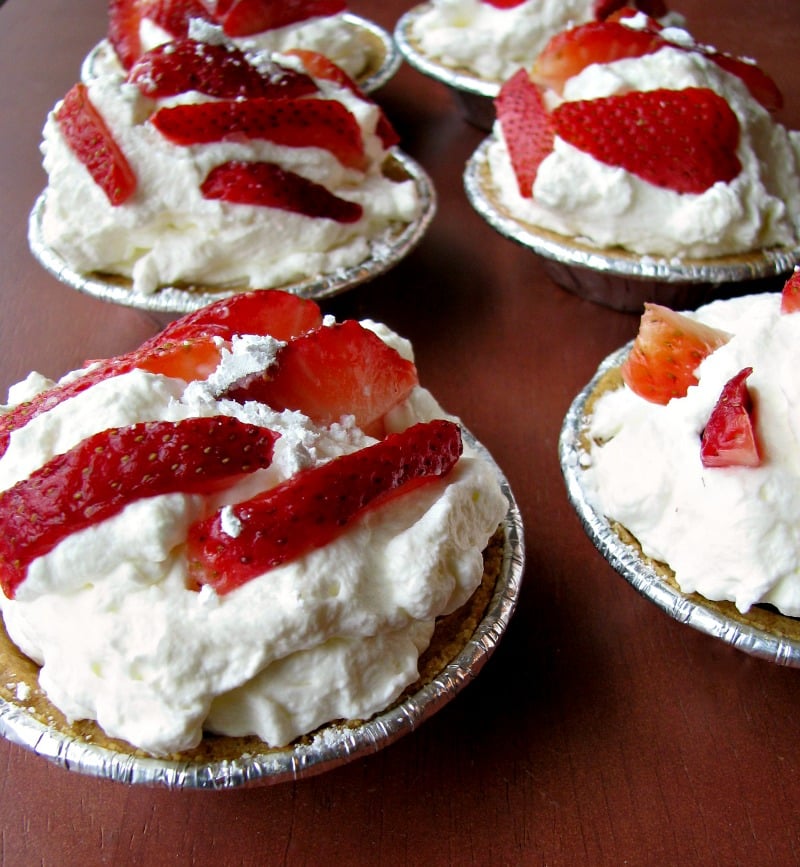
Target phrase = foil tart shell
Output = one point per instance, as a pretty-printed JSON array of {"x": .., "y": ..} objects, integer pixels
[
  {"x": 617, "y": 278},
  {"x": 474, "y": 95},
  {"x": 386, "y": 250},
  {"x": 384, "y": 57},
  {"x": 331, "y": 746},
  {"x": 762, "y": 632}
]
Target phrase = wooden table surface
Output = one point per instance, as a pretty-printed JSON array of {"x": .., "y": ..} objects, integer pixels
[{"x": 601, "y": 731}]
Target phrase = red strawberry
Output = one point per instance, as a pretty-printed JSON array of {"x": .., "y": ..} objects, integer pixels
[
  {"x": 263, "y": 311},
  {"x": 790, "y": 297},
  {"x": 340, "y": 370},
  {"x": 221, "y": 71},
  {"x": 93, "y": 144},
  {"x": 503, "y": 4},
  {"x": 115, "y": 467},
  {"x": 729, "y": 438},
  {"x": 188, "y": 359},
  {"x": 268, "y": 185},
  {"x": 125, "y": 18},
  {"x": 654, "y": 8},
  {"x": 526, "y": 128},
  {"x": 571, "y": 51},
  {"x": 312, "y": 508},
  {"x": 245, "y": 17},
  {"x": 323, "y": 67},
  {"x": 761, "y": 86},
  {"x": 668, "y": 349},
  {"x": 684, "y": 140},
  {"x": 322, "y": 123}
]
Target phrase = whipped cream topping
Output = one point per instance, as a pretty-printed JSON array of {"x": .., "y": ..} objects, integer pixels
[
  {"x": 489, "y": 42},
  {"x": 576, "y": 195},
  {"x": 728, "y": 533},
  {"x": 168, "y": 233},
  {"x": 334, "y": 634}
]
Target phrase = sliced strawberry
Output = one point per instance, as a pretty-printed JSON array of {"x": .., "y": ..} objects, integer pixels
[
  {"x": 790, "y": 297},
  {"x": 186, "y": 359},
  {"x": 571, "y": 51},
  {"x": 263, "y": 311},
  {"x": 526, "y": 127},
  {"x": 315, "y": 506},
  {"x": 245, "y": 17},
  {"x": 221, "y": 71},
  {"x": 668, "y": 349},
  {"x": 343, "y": 369},
  {"x": 125, "y": 18},
  {"x": 684, "y": 140},
  {"x": 115, "y": 467},
  {"x": 268, "y": 185},
  {"x": 761, "y": 86},
  {"x": 503, "y": 4},
  {"x": 729, "y": 438},
  {"x": 93, "y": 144},
  {"x": 323, "y": 67},
  {"x": 322, "y": 123},
  {"x": 654, "y": 8}
]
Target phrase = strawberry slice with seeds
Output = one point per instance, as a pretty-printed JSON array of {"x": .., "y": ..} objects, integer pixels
[
  {"x": 93, "y": 144},
  {"x": 526, "y": 127},
  {"x": 221, "y": 71},
  {"x": 762, "y": 86},
  {"x": 729, "y": 438},
  {"x": 268, "y": 185},
  {"x": 107, "y": 471},
  {"x": 571, "y": 51},
  {"x": 323, "y": 67},
  {"x": 312, "y": 508},
  {"x": 322, "y": 123},
  {"x": 790, "y": 296},
  {"x": 186, "y": 359},
  {"x": 666, "y": 353},
  {"x": 683, "y": 140},
  {"x": 262, "y": 311},
  {"x": 245, "y": 17},
  {"x": 344, "y": 369}
]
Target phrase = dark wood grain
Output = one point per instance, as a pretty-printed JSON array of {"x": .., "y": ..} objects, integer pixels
[{"x": 601, "y": 732}]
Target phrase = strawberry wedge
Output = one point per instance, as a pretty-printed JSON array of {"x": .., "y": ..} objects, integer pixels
[
  {"x": 729, "y": 438},
  {"x": 104, "y": 473},
  {"x": 314, "y": 507},
  {"x": 298, "y": 123}
]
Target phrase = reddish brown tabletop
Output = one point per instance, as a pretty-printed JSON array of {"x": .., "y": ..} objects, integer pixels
[{"x": 601, "y": 731}]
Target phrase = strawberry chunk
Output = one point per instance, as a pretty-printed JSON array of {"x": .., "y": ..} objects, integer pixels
[
  {"x": 189, "y": 360},
  {"x": 262, "y": 311},
  {"x": 526, "y": 128},
  {"x": 93, "y": 144},
  {"x": 343, "y": 369},
  {"x": 315, "y": 506},
  {"x": 221, "y": 71},
  {"x": 105, "y": 472},
  {"x": 321, "y": 123},
  {"x": 125, "y": 18},
  {"x": 245, "y": 17},
  {"x": 729, "y": 438},
  {"x": 666, "y": 353},
  {"x": 268, "y": 185},
  {"x": 790, "y": 296},
  {"x": 323, "y": 67},
  {"x": 571, "y": 51},
  {"x": 683, "y": 140}
]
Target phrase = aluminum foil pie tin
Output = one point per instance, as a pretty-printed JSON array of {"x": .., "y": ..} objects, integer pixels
[
  {"x": 762, "y": 632},
  {"x": 384, "y": 57},
  {"x": 386, "y": 250},
  {"x": 331, "y": 746},
  {"x": 474, "y": 95},
  {"x": 616, "y": 278}
]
